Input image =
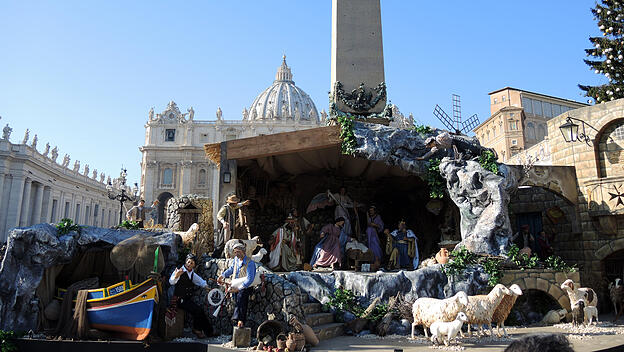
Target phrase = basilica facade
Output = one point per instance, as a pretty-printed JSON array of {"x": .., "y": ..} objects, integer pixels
[{"x": 173, "y": 160}]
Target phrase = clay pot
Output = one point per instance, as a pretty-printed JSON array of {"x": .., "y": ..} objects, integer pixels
[{"x": 442, "y": 257}]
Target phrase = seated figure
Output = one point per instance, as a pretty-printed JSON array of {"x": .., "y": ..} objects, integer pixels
[
  {"x": 327, "y": 252},
  {"x": 285, "y": 247},
  {"x": 402, "y": 247}
]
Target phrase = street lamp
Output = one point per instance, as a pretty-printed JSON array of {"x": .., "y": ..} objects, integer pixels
[
  {"x": 120, "y": 194},
  {"x": 573, "y": 132},
  {"x": 569, "y": 130}
]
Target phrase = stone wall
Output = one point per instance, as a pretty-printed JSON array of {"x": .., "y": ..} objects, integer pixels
[
  {"x": 545, "y": 280},
  {"x": 205, "y": 239},
  {"x": 537, "y": 199},
  {"x": 599, "y": 212},
  {"x": 279, "y": 298}
]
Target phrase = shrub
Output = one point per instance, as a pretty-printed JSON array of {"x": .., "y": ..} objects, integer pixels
[{"x": 66, "y": 226}]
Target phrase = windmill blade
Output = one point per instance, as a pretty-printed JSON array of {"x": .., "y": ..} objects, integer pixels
[
  {"x": 443, "y": 117},
  {"x": 470, "y": 124},
  {"x": 456, "y": 110}
]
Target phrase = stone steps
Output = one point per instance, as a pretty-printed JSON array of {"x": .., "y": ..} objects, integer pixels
[
  {"x": 311, "y": 308},
  {"x": 317, "y": 319},
  {"x": 329, "y": 331}
]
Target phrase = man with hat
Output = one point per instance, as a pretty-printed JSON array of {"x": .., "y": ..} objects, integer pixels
[
  {"x": 227, "y": 216},
  {"x": 139, "y": 212},
  {"x": 242, "y": 266},
  {"x": 185, "y": 279},
  {"x": 285, "y": 247}
]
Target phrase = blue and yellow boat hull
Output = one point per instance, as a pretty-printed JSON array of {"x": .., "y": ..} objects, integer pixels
[{"x": 123, "y": 308}]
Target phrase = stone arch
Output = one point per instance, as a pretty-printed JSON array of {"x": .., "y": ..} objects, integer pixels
[
  {"x": 602, "y": 150},
  {"x": 609, "y": 248},
  {"x": 548, "y": 287},
  {"x": 162, "y": 203}
]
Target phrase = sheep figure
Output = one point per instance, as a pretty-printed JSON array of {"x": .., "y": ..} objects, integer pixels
[
  {"x": 616, "y": 293},
  {"x": 250, "y": 246},
  {"x": 449, "y": 330},
  {"x": 578, "y": 312},
  {"x": 574, "y": 294},
  {"x": 554, "y": 317},
  {"x": 189, "y": 235},
  {"x": 427, "y": 311},
  {"x": 590, "y": 313},
  {"x": 504, "y": 308},
  {"x": 480, "y": 308}
]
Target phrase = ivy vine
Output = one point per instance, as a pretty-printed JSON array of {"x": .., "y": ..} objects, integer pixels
[
  {"x": 422, "y": 129},
  {"x": 66, "y": 226},
  {"x": 436, "y": 182},
  {"x": 487, "y": 159},
  {"x": 348, "y": 144}
]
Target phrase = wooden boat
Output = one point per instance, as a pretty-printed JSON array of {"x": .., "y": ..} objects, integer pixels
[{"x": 122, "y": 308}]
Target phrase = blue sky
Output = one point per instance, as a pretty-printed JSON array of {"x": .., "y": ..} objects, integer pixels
[{"x": 83, "y": 74}]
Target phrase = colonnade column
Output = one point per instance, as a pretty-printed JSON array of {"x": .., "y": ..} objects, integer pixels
[
  {"x": 24, "y": 216},
  {"x": 36, "y": 215}
]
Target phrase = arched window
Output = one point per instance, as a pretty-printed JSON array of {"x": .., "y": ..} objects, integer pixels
[
  {"x": 167, "y": 176},
  {"x": 541, "y": 132},
  {"x": 611, "y": 150},
  {"x": 530, "y": 131},
  {"x": 201, "y": 180}
]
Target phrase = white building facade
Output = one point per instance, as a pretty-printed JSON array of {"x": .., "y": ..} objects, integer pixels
[
  {"x": 35, "y": 189},
  {"x": 173, "y": 158}
]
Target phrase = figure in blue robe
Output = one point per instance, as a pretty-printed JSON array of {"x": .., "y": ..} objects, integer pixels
[{"x": 402, "y": 247}]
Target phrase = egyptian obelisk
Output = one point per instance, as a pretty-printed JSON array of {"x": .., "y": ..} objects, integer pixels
[{"x": 357, "y": 54}]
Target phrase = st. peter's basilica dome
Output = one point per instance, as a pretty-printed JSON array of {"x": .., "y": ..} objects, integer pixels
[{"x": 283, "y": 100}]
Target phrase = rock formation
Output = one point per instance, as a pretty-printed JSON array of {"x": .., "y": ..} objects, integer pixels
[
  {"x": 32, "y": 250},
  {"x": 482, "y": 198}
]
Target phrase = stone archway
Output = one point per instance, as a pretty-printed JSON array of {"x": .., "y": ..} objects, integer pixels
[
  {"x": 544, "y": 280},
  {"x": 609, "y": 248},
  {"x": 163, "y": 198}
]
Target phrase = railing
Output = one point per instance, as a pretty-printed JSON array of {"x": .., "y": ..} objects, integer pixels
[{"x": 538, "y": 154}]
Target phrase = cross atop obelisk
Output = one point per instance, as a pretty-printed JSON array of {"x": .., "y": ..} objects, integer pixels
[{"x": 357, "y": 64}]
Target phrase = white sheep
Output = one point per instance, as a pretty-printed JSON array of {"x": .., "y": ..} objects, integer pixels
[
  {"x": 250, "y": 246},
  {"x": 448, "y": 329},
  {"x": 481, "y": 308},
  {"x": 586, "y": 294},
  {"x": 591, "y": 312},
  {"x": 427, "y": 311},
  {"x": 189, "y": 235}
]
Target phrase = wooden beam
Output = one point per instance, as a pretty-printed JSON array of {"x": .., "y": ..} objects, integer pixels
[{"x": 283, "y": 143}]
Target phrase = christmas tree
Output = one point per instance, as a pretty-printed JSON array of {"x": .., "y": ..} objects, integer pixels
[{"x": 606, "y": 57}]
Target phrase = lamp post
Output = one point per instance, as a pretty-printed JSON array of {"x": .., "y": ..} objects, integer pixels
[
  {"x": 120, "y": 193},
  {"x": 573, "y": 132}
]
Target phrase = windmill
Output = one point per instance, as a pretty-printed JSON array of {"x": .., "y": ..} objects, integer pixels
[{"x": 456, "y": 124}]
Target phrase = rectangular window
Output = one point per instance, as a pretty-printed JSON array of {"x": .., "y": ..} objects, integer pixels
[
  {"x": 495, "y": 101},
  {"x": 527, "y": 105},
  {"x": 77, "y": 215},
  {"x": 66, "y": 216},
  {"x": 547, "y": 109},
  {"x": 513, "y": 125},
  {"x": 167, "y": 176},
  {"x": 503, "y": 98},
  {"x": 556, "y": 109},
  {"x": 170, "y": 135},
  {"x": 54, "y": 207},
  {"x": 537, "y": 107},
  {"x": 514, "y": 142},
  {"x": 204, "y": 137},
  {"x": 87, "y": 215}
]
